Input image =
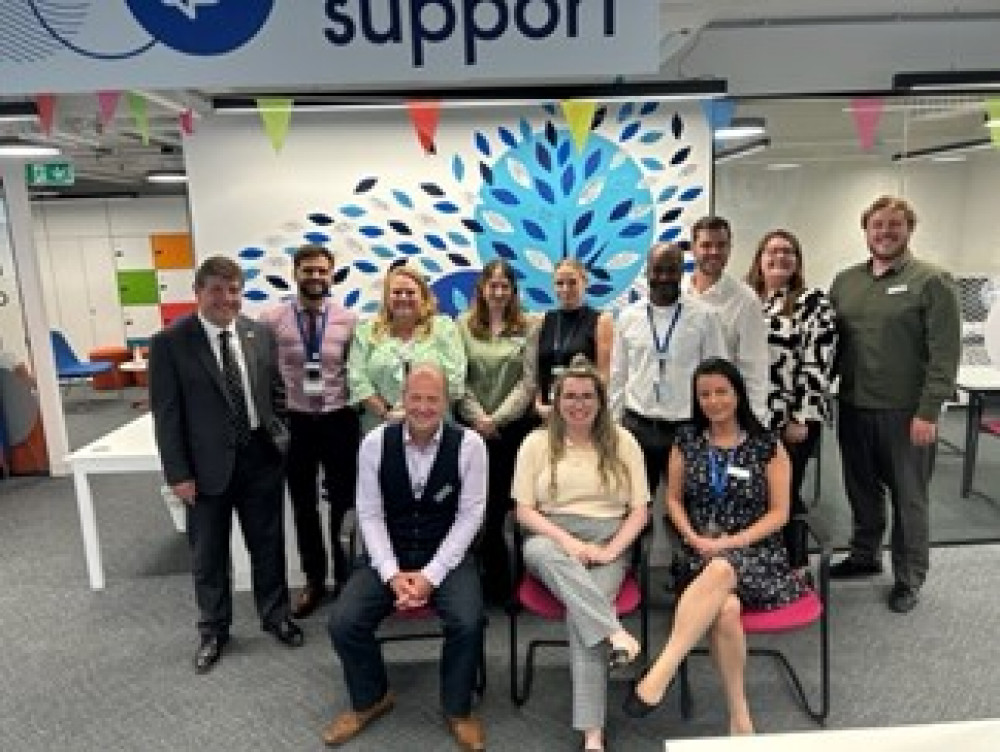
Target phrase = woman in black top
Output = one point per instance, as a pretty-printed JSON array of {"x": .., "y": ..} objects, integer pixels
[{"x": 572, "y": 329}]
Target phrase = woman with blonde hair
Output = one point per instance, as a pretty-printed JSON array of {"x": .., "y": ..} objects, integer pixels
[
  {"x": 574, "y": 328},
  {"x": 580, "y": 492},
  {"x": 406, "y": 331}
]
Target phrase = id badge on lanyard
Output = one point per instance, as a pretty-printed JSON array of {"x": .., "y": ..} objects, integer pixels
[{"x": 661, "y": 347}]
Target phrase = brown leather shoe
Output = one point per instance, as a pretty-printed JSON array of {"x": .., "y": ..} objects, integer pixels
[
  {"x": 468, "y": 732},
  {"x": 308, "y": 600},
  {"x": 348, "y": 725}
]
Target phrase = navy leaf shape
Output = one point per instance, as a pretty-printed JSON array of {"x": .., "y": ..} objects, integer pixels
[
  {"x": 352, "y": 298},
  {"x": 633, "y": 230},
  {"x": 341, "y": 275},
  {"x": 410, "y": 249},
  {"x": 568, "y": 179},
  {"x": 629, "y": 131},
  {"x": 592, "y": 164},
  {"x": 550, "y": 108},
  {"x": 365, "y": 185},
  {"x": 432, "y": 189},
  {"x": 540, "y": 296},
  {"x": 648, "y": 108},
  {"x": 436, "y": 242},
  {"x": 321, "y": 219},
  {"x": 534, "y": 230},
  {"x": 446, "y": 207},
  {"x": 670, "y": 234},
  {"x": 599, "y": 273},
  {"x": 482, "y": 143},
  {"x": 459, "y": 260},
  {"x": 401, "y": 227},
  {"x": 317, "y": 237},
  {"x": 564, "y": 152},
  {"x": 680, "y": 156},
  {"x": 599, "y": 114},
  {"x": 550, "y": 133},
  {"x": 505, "y": 197},
  {"x": 366, "y": 267},
  {"x": 677, "y": 125},
  {"x": 397, "y": 263},
  {"x": 504, "y": 251},
  {"x": 487, "y": 172},
  {"x": 545, "y": 190},
  {"x": 690, "y": 194},
  {"x": 277, "y": 282},
  {"x": 371, "y": 231},
  {"x": 507, "y": 137},
  {"x": 255, "y": 295},
  {"x": 621, "y": 211},
  {"x": 581, "y": 224},
  {"x": 599, "y": 289},
  {"x": 586, "y": 246},
  {"x": 672, "y": 215},
  {"x": 543, "y": 157},
  {"x": 473, "y": 225}
]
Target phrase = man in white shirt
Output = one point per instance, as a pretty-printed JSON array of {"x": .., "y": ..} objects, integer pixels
[
  {"x": 657, "y": 345},
  {"x": 738, "y": 307}
]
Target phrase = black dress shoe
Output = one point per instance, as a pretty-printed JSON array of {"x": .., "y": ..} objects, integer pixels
[
  {"x": 287, "y": 632},
  {"x": 902, "y": 598},
  {"x": 209, "y": 653},
  {"x": 850, "y": 568},
  {"x": 309, "y": 600},
  {"x": 634, "y": 706}
]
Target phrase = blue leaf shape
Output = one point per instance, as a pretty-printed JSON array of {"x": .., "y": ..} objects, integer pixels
[
  {"x": 550, "y": 108},
  {"x": 667, "y": 193},
  {"x": 564, "y": 151},
  {"x": 568, "y": 179},
  {"x": 586, "y": 247},
  {"x": 458, "y": 168},
  {"x": 459, "y": 260},
  {"x": 592, "y": 164},
  {"x": 341, "y": 275},
  {"x": 633, "y": 230},
  {"x": 526, "y": 132},
  {"x": 446, "y": 207},
  {"x": 621, "y": 211},
  {"x": 317, "y": 237},
  {"x": 458, "y": 239},
  {"x": 582, "y": 223},
  {"x": 371, "y": 306},
  {"x": 625, "y": 112},
  {"x": 402, "y": 199},
  {"x": 648, "y": 108},
  {"x": 487, "y": 173},
  {"x": 652, "y": 164},
  {"x": 633, "y": 296},
  {"x": 507, "y": 137},
  {"x": 534, "y": 230},
  {"x": 691, "y": 194},
  {"x": 365, "y": 185},
  {"x": 505, "y": 197},
  {"x": 504, "y": 251},
  {"x": 545, "y": 190},
  {"x": 436, "y": 242},
  {"x": 629, "y": 131},
  {"x": 371, "y": 231},
  {"x": 255, "y": 295},
  {"x": 430, "y": 264},
  {"x": 401, "y": 227},
  {"x": 252, "y": 253},
  {"x": 353, "y": 211},
  {"x": 599, "y": 289},
  {"x": 277, "y": 282},
  {"x": 383, "y": 251},
  {"x": 543, "y": 157},
  {"x": 670, "y": 234},
  {"x": 459, "y": 300},
  {"x": 365, "y": 267},
  {"x": 680, "y": 156},
  {"x": 249, "y": 274},
  {"x": 410, "y": 249},
  {"x": 323, "y": 220},
  {"x": 482, "y": 143},
  {"x": 651, "y": 137},
  {"x": 352, "y": 298},
  {"x": 540, "y": 296},
  {"x": 432, "y": 189}
]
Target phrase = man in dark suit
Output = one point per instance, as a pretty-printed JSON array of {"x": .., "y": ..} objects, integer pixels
[{"x": 213, "y": 387}]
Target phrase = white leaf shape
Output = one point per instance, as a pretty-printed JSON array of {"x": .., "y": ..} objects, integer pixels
[
  {"x": 292, "y": 226},
  {"x": 688, "y": 170},
  {"x": 617, "y": 160},
  {"x": 622, "y": 260},
  {"x": 354, "y": 245},
  {"x": 380, "y": 204},
  {"x": 497, "y": 221},
  {"x": 343, "y": 227},
  {"x": 591, "y": 191},
  {"x": 519, "y": 172},
  {"x": 640, "y": 210},
  {"x": 428, "y": 220},
  {"x": 539, "y": 260}
]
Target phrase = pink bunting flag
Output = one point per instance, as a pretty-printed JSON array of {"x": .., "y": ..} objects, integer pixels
[
  {"x": 867, "y": 113},
  {"x": 46, "y": 105},
  {"x": 107, "y": 104},
  {"x": 186, "y": 119}
]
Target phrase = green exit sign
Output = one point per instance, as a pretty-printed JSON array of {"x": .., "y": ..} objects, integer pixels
[{"x": 49, "y": 174}]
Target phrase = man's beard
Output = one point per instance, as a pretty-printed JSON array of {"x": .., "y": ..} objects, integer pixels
[{"x": 312, "y": 291}]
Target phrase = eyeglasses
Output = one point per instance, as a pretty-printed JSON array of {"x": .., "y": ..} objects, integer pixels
[{"x": 579, "y": 397}]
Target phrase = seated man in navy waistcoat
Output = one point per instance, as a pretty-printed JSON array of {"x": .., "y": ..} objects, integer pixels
[{"x": 421, "y": 494}]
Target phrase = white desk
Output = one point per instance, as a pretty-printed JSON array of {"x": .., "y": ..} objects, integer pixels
[
  {"x": 966, "y": 736},
  {"x": 132, "y": 449},
  {"x": 978, "y": 382}
]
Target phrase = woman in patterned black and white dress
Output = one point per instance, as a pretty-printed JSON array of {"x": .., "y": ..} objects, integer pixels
[
  {"x": 802, "y": 339},
  {"x": 727, "y": 497}
]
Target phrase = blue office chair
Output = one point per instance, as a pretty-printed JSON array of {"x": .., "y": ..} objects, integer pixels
[{"x": 69, "y": 367}]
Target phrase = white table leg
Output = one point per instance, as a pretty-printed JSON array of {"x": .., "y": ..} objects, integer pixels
[{"x": 88, "y": 526}]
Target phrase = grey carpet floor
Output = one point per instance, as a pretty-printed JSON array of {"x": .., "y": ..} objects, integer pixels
[{"x": 110, "y": 671}]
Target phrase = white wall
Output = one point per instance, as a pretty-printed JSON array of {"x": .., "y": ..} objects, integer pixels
[
  {"x": 12, "y": 330},
  {"x": 958, "y": 224}
]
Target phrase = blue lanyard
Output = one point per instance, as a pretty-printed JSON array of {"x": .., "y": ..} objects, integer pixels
[
  {"x": 662, "y": 345},
  {"x": 718, "y": 473},
  {"x": 315, "y": 348}
]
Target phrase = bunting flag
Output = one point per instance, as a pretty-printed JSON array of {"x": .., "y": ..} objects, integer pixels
[
  {"x": 993, "y": 112},
  {"x": 579, "y": 116},
  {"x": 46, "y": 105},
  {"x": 186, "y": 119},
  {"x": 867, "y": 113},
  {"x": 140, "y": 113},
  {"x": 425, "y": 116},
  {"x": 718, "y": 112},
  {"x": 107, "y": 104},
  {"x": 276, "y": 114}
]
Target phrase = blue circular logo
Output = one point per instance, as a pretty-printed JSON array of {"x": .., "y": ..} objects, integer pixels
[{"x": 202, "y": 27}]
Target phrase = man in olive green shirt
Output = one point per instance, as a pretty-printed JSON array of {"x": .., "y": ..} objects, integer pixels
[{"x": 900, "y": 343}]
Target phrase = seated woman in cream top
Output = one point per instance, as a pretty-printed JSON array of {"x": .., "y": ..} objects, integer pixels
[{"x": 580, "y": 488}]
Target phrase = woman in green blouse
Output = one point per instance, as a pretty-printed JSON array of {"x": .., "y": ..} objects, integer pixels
[
  {"x": 496, "y": 401},
  {"x": 406, "y": 331}
]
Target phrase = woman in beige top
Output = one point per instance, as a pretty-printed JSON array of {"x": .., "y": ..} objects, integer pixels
[{"x": 581, "y": 493}]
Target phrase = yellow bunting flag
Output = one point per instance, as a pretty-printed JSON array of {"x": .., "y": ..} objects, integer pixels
[
  {"x": 993, "y": 113},
  {"x": 140, "y": 113},
  {"x": 579, "y": 116},
  {"x": 276, "y": 114}
]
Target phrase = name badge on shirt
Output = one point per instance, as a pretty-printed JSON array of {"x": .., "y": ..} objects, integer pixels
[
  {"x": 442, "y": 493},
  {"x": 312, "y": 379},
  {"x": 740, "y": 473},
  {"x": 895, "y": 290}
]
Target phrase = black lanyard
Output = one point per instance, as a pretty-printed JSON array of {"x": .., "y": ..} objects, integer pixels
[{"x": 314, "y": 345}]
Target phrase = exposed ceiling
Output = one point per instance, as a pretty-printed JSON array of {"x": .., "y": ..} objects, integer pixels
[{"x": 114, "y": 159}]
